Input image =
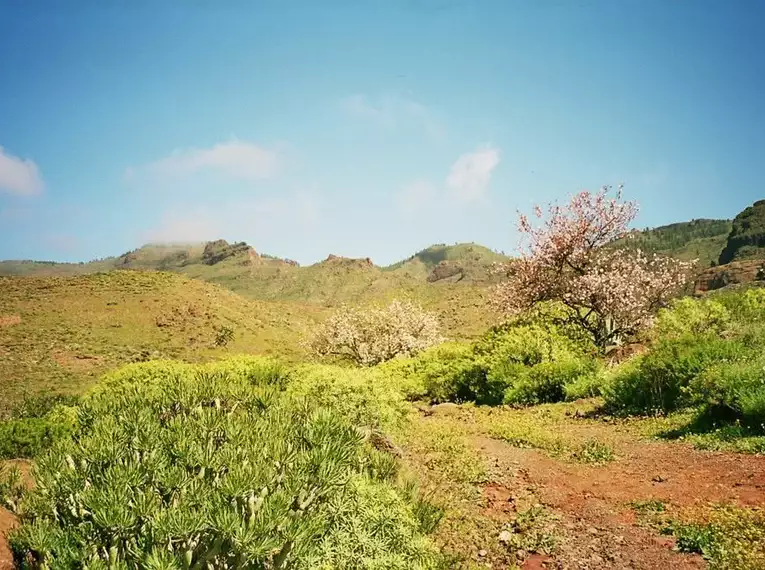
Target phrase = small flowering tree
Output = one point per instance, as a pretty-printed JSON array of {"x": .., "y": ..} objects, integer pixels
[
  {"x": 611, "y": 293},
  {"x": 370, "y": 336}
]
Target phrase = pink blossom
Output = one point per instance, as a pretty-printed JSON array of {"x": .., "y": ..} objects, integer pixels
[{"x": 610, "y": 292}]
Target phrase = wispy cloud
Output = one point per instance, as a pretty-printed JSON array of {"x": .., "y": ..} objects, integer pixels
[
  {"x": 19, "y": 176},
  {"x": 239, "y": 160},
  {"x": 470, "y": 174},
  {"x": 392, "y": 111},
  {"x": 467, "y": 182}
]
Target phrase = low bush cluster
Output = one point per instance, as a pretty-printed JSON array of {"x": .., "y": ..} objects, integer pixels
[
  {"x": 226, "y": 465},
  {"x": 35, "y": 424},
  {"x": 706, "y": 354},
  {"x": 521, "y": 363}
]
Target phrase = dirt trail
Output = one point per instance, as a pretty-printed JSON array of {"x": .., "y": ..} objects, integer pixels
[
  {"x": 599, "y": 526},
  {"x": 7, "y": 522}
]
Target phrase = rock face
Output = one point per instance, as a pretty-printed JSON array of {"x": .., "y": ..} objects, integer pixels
[
  {"x": 735, "y": 273},
  {"x": 445, "y": 270},
  {"x": 364, "y": 262},
  {"x": 218, "y": 250},
  {"x": 747, "y": 238}
]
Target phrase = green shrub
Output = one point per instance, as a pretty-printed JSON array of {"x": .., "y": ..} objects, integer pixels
[
  {"x": 658, "y": 381},
  {"x": 28, "y": 437},
  {"x": 733, "y": 390},
  {"x": 587, "y": 385},
  {"x": 546, "y": 382},
  {"x": 367, "y": 397},
  {"x": 174, "y": 466},
  {"x": 525, "y": 344},
  {"x": 439, "y": 373},
  {"x": 694, "y": 317},
  {"x": 744, "y": 307},
  {"x": 38, "y": 405}
]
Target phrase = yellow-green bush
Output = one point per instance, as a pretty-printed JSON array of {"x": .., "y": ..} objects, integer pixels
[
  {"x": 367, "y": 397},
  {"x": 733, "y": 391},
  {"x": 659, "y": 381},
  {"x": 691, "y": 316},
  {"x": 552, "y": 382},
  {"x": 223, "y": 465}
]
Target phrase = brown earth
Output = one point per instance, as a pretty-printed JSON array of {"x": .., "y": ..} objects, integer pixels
[
  {"x": 595, "y": 525},
  {"x": 734, "y": 273},
  {"x": 7, "y": 522},
  {"x": 9, "y": 320},
  {"x": 600, "y": 527}
]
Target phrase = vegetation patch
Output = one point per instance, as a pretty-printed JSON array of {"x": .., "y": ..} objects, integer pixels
[
  {"x": 726, "y": 536},
  {"x": 179, "y": 466}
]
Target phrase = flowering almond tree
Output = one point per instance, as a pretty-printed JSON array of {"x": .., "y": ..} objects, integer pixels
[
  {"x": 611, "y": 293},
  {"x": 370, "y": 336}
]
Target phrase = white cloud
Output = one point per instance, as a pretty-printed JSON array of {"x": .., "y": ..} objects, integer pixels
[
  {"x": 19, "y": 176},
  {"x": 392, "y": 111},
  {"x": 470, "y": 174},
  {"x": 236, "y": 159},
  {"x": 415, "y": 196}
]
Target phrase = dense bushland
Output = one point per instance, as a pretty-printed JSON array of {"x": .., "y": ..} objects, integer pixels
[
  {"x": 706, "y": 353},
  {"x": 226, "y": 465},
  {"x": 521, "y": 362}
]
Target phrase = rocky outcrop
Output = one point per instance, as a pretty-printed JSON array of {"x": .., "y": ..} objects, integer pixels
[
  {"x": 747, "y": 238},
  {"x": 446, "y": 270},
  {"x": 735, "y": 273},
  {"x": 337, "y": 260},
  {"x": 218, "y": 250}
]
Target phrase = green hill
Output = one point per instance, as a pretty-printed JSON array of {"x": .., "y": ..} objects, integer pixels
[
  {"x": 59, "y": 333},
  {"x": 331, "y": 282},
  {"x": 747, "y": 236},
  {"x": 460, "y": 262},
  {"x": 701, "y": 239}
]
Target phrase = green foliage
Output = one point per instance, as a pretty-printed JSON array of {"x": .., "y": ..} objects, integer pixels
[
  {"x": 698, "y": 239},
  {"x": 593, "y": 451},
  {"x": 732, "y": 537},
  {"x": 520, "y": 363},
  {"x": 39, "y": 405},
  {"x": 659, "y": 381},
  {"x": 29, "y": 436},
  {"x": 747, "y": 307},
  {"x": 526, "y": 344},
  {"x": 11, "y": 488},
  {"x": 224, "y": 335},
  {"x": 648, "y": 506},
  {"x": 368, "y": 397},
  {"x": 176, "y": 466},
  {"x": 547, "y": 382},
  {"x": 733, "y": 391},
  {"x": 747, "y": 236},
  {"x": 692, "y": 317}
]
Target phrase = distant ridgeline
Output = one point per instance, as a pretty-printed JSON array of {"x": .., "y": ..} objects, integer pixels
[{"x": 737, "y": 245}]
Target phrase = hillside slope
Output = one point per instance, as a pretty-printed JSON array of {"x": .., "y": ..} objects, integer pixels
[
  {"x": 329, "y": 283},
  {"x": 747, "y": 236},
  {"x": 59, "y": 334},
  {"x": 700, "y": 239}
]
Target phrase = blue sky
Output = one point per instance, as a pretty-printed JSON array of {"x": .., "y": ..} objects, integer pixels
[{"x": 366, "y": 128}]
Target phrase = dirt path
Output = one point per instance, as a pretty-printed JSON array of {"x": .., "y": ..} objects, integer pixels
[
  {"x": 601, "y": 528},
  {"x": 595, "y": 523},
  {"x": 7, "y": 522}
]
